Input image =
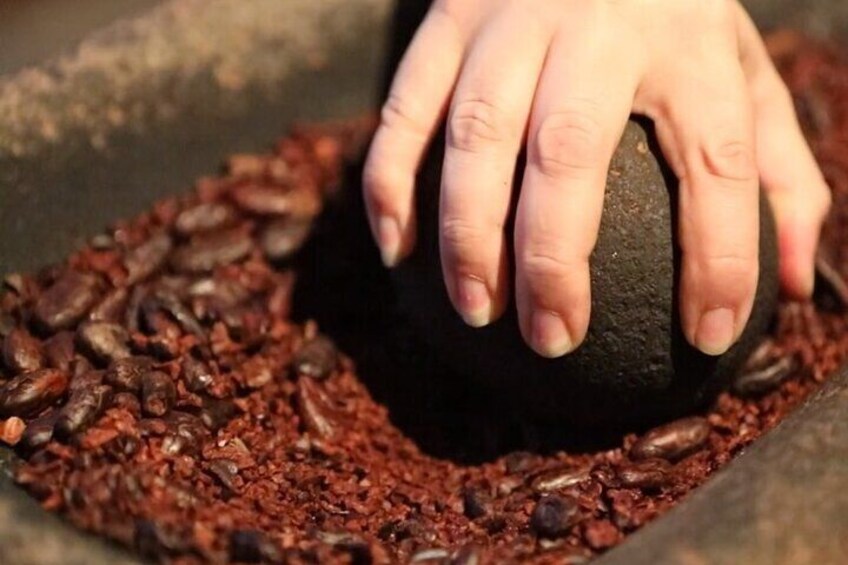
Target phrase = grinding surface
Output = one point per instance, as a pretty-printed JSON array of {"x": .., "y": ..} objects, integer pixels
[{"x": 106, "y": 85}]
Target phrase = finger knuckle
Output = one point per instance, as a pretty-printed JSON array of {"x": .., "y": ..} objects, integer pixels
[
  {"x": 568, "y": 143},
  {"x": 398, "y": 113},
  {"x": 543, "y": 257},
  {"x": 463, "y": 237},
  {"x": 730, "y": 158},
  {"x": 476, "y": 123}
]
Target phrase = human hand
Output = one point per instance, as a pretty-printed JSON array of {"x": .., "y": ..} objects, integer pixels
[{"x": 563, "y": 76}]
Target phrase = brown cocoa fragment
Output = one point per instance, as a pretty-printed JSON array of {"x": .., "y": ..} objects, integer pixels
[
  {"x": 314, "y": 409},
  {"x": 474, "y": 503},
  {"x": 554, "y": 516},
  {"x": 157, "y": 393},
  {"x": 12, "y": 430},
  {"x": 217, "y": 412},
  {"x": 317, "y": 358},
  {"x": 127, "y": 401},
  {"x": 601, "y": 534}
]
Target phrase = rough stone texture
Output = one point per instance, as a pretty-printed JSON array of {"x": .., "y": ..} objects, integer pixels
[{"x": 635, "y": 365}]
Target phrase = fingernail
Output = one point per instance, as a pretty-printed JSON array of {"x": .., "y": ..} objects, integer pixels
[
  {"x": 475, "y": 304},
  {"x": 549, "y": 335},
  {"x": 714, "y": 334},
  {"x": 388, "y": 236}
]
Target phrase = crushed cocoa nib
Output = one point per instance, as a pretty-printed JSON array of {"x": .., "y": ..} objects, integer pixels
[{"x": 163, "y": 390}]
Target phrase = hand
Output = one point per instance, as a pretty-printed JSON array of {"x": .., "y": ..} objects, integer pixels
[{"x": 567, "y": 74}]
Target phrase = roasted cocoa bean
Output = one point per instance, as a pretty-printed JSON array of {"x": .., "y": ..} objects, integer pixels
[
  {"x": 197, "y": 375},
  {"x": 127, "y": 401},
  {"x": 466, "y": 555},
  {"x": 204, "y": 217},
  {"x": 672, "y": 441},
  {"x": 157, "y": 393},
  {"x": 85, "y": 380},
  {"x": 22, "y": 352},
  {"x": 252, "y": 546},
  {"x": 111, "y": 307},
  {"x": 314, "y": 409},
  {"x": 60, "y": 351},
  {"x": 474, "y": 503},
  {"x": 281, "y": 239},
  {"x": 29, "y": 393},
  {"x": 560, "y": 478},
  {"x": 132, "y": 316},
  {"x": 67, "y": 301},
  {"x": 148, "y": 258},
  {"x": 317, "y": 358},
  {"x": 204, "y": 253},
  {"x": 554, "y": 516},
  {"x": 168, "y": 302},
  {"x": 277, "y": 201},
  {"x": 153, "y": 540},
  {"x": 103, "y": 341},
  {"x": 765, "y": 378},
  {"x": 39, "y": 431},
  {"x": 185, "y": 433},
  {"x": 226, "y": 471},
  {"x": 649, "y": 474},
  {"x": 216, "y": 413},
  {"x": 83, "y": 408},
  {"x": 126, "y": 374}
]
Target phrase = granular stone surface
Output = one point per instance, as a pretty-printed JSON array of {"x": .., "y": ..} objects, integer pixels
[{"x": 161, "y": 388}]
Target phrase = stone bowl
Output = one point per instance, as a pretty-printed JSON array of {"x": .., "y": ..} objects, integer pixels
[{"x": 162, "y": 98}]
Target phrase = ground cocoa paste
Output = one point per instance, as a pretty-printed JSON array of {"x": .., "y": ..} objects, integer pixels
[{"x": 163, "y": 388}]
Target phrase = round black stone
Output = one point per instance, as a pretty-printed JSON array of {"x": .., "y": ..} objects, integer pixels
[{"x": 635, "y": 366}]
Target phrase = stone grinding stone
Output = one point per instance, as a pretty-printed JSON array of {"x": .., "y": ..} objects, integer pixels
[{"x": 635, "y": 367}]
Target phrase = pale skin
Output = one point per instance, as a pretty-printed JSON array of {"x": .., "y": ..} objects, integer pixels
[{"x": 561, "y": 78}]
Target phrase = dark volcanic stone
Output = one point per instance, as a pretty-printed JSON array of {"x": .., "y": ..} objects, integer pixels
[{"x": 635, "y": 366}]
